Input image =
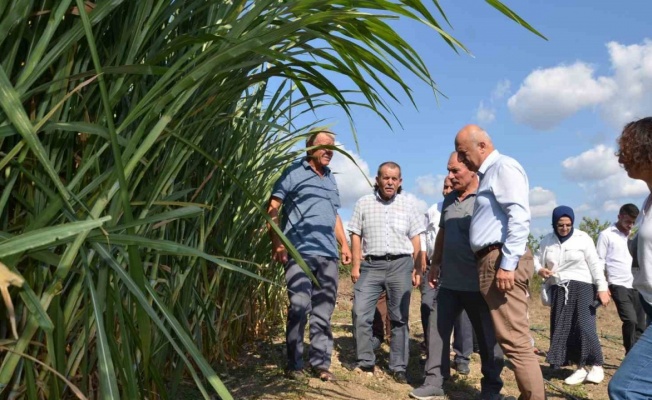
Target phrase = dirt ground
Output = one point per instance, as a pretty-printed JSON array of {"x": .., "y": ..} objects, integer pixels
[{"x": 259, "y": 373}]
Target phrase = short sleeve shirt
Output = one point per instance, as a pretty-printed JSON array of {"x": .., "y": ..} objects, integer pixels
[
  {"x": 309, "y": 209},
  {"x": 386, "y": 227},
  {"x": 459, "y": 269}
]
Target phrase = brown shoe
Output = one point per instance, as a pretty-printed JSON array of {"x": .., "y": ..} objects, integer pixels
[{"x": 324, "y": 374}]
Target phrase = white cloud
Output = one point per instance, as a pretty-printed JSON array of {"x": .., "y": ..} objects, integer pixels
[
  {"x": 542, "y": 202},
  {"x": 594, "y": 164},
  {"x": 599, "y": 174},
  {"x": 485, "y": 115},
  {"x": 350, "y": 178},
  {"x": 632, "y": 67},
  {"x": 501, "y": 90},
  {"x": 611, "y": 205},
  {"x": 619, "y": 185},
  {"x": 420, "y": 204},
  {"x": 548, "y": 96},
  {"x": 430, "y": 185},
  {"x": 583, "y": 208}
]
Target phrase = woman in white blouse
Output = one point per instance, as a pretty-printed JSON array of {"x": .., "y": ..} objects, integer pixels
[
  {"x": 633, "y": 380},
  {"x": 568, "y": 260}
]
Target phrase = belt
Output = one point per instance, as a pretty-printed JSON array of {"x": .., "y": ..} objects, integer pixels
[
  {"x": 386, "y": 257},
  {"x": 488, "y": 249}
]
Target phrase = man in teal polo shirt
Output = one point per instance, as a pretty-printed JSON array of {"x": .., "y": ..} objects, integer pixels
[{"x": 307, "y": 199}]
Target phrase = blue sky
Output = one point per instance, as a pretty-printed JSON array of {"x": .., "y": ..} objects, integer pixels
[{"x": 557, "y": 106}]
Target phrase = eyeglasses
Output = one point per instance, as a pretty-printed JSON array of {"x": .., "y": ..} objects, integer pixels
[{"x": 564, "y": 225}]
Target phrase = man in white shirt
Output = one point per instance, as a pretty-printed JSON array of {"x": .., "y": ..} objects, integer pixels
[
  {"x": 498, "y": 235},
  {"x": 613, "y": 251}
]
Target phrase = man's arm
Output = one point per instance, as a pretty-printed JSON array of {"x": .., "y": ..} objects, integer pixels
[
  {"x": 356, "y": 256},
  {"x": 341, "y": 239},
  {"x": 279, "y": 253},
  {"x": 416, "y": 272},
  {"x": 511, "y": 192},
  {"x": 435, "y": 262}
]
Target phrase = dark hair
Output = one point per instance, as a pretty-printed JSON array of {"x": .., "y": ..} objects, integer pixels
[
  {"x": 390, "y": 164},
  {"x": 635, "y": 143},
  {"x": 629, "y": 209}
]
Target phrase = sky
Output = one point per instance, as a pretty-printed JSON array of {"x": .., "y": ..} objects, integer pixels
[{"x": 556, "y": 106}]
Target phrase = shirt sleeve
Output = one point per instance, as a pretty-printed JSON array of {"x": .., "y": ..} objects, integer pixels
[
  {"x": 283, "y": 185},
  {"x": 337, "y": 204},
  {"x": 355, "y": 224},
  {"x": 512, "y": 192},
  {"x": 416, "y": 222},
  {"x": 596, "y": 265},
  {"x": 538, "y": 258},
  {"x": 602, "y": 247}
]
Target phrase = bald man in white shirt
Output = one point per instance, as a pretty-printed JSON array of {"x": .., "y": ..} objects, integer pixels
[{"x": 498, "y": 234}]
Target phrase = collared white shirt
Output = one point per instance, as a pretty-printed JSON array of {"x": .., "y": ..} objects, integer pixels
[
  {"x": 386, "y": 227},
  {"x": 643, "y": 247},
  {"x": 502, "y": 209},
  {"x": 576, "y": 259},
  {"x": 433, "y": 217},
  {"x": 612, "y": 250}
]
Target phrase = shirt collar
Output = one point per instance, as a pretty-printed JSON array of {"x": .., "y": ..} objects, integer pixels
[
  {"x": 488, "y": 162},
  {"x": 379, "y": 198},
  {"x": 307, "y": 165},
  {"x": 614, "y": 228}
]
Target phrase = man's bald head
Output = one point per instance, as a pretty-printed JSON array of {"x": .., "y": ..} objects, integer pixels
[{"x": 473, "y": 145}]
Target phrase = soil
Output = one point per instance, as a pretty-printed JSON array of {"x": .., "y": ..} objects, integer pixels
[{"x": 259, "y": 370}]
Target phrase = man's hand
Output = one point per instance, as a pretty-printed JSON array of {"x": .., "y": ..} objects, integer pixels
[
  {"x": 355, "y": 273},
  {"x": 433, "y": 276},
  {"x": 604, "y": 297},
  {"x": 504, "y": 280},
  {"x": 416, "y": 277},
  {"x": 346, "y": 255},
  {"x": 280, "y": 254},
  {"x": 545, "y": 273}
]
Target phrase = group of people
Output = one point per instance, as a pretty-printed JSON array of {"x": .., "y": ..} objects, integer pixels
[{"x": 477, "y": 262}]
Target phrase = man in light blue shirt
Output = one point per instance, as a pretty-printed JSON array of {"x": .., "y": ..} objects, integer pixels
[
  {"x": 498, "y": 234},
  {"x": 307, "y": 199}
]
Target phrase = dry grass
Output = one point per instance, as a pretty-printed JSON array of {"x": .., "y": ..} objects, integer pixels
[{"x": 259, "y": 374}]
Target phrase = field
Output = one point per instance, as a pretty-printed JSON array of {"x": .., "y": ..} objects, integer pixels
[{"x": 258, "y": 373}]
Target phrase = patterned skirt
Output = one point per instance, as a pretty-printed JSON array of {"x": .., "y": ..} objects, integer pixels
[{"x": 573, "y": 332}]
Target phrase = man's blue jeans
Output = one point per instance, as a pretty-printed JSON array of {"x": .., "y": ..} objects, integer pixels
[
  {"x": 318, "y": 302},
  {"x": 395, "y": 277}
]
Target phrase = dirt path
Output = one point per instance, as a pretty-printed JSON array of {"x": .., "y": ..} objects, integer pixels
[{"x": 260, "y": 371}]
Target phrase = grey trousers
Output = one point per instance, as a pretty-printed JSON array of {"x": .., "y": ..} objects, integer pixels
[
  {"x": 462, "y": 332},
  {"x": 450, "y": 304},
  {"x": 318, "y": 302},
  {"x": 395, "y": 277}
]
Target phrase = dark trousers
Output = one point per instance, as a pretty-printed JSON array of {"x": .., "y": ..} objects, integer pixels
[
  {"x": 450, "y": 304},
  {"x": 631, "y": 314},
  {"x": 463, "y": 337}
]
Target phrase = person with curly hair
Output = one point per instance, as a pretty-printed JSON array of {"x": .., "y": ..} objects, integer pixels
[{"x": 633, "y": 379}]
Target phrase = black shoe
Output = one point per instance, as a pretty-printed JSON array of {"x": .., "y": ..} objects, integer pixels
[
  {"x": 364, "y": 370},
  {"x": 400, "y": 377},
  {"x": 461, "y": 368}
]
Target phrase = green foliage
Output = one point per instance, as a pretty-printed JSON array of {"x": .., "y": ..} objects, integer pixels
[
  {"x": 138, "y": 143},
  {"x": 533, "y": 243},
  {"x": 593, "y": 226}
]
